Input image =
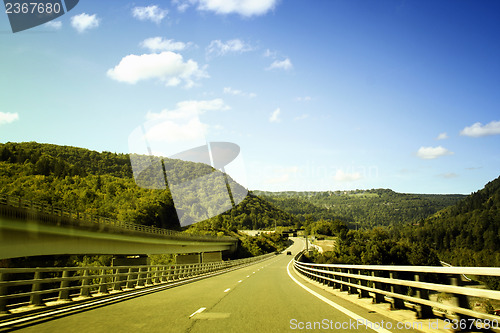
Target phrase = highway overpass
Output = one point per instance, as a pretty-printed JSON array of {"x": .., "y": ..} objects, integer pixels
[{"x": 29, "y": 229}]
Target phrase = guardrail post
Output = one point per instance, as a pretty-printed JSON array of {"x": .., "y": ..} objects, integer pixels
[
  {"x": 85, "y": 291},
  {"x": 140, "y": 278},
  {"x": 165, "y": 274},
  {"x": 343, "y": 287},
  {"x": 397, "y": 303},
  {"x": 459, "y": 299},
  {"x": 36, "y": 298},
  {"x": 362, "y": 292},
  {"x": 118, "y": 280},
  {"x": 3, "y": 292},
  {"x": 149, "y": 280},
  {"x": 64, "y": 292},
  {"x": 103, "y": 288},
  {"x": 351, "y": 289},
  {"x": 377, "y": 297},
  {"x": 130, "y": 278},
  {"x": 423, "y": 311}
]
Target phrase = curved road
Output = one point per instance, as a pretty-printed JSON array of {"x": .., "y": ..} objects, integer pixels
[{"x": 260, "y": 298}]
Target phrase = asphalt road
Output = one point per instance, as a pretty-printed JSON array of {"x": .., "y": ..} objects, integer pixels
[{"x": 258, "y": 298}]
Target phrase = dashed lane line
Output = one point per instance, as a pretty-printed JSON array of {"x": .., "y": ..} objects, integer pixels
[{"x": 200, "y": 310}]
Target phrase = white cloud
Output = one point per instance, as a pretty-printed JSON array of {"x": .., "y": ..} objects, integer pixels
[
  {"x": 430, "y": 153},
  {"x": 56, "y": 25},
  {"x": 182, "y": 5},
  {"x": 152, "y": 13},
  {"x": 84, "y": 22},
  {"x": 303, "y": 99},
  {"x": 8, "y": 117},
  {"x": 219, "y": 48},
  {"x": 245, "y": 8},
  {"x": 156, "y": 44},
  {"x": 342, "y": 176},
  {"x": 284, "y": 64},
  {"x": 478, "y": 129},
  {"x": 442, "y": 136},
  {"x": 181, "y": 124},
  {"x": 275, "y": 116},
  {"x": 168, "y": 67},
  {"x": 236, "y": 92}
]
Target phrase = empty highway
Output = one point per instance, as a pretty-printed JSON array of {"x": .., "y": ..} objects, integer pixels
[{"x": 263, "y": 297}]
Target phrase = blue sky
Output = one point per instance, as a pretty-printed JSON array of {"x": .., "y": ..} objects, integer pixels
[{"x": 319, "y": 95}]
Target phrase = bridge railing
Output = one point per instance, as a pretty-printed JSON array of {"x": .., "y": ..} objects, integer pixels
[
  {"x": 18, "y": 207},
  {"x": 430, "y": 291},
  {"x": 22, "y": 288}
]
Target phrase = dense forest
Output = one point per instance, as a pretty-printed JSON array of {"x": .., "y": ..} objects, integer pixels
[
  {"x": 464, "y": 234},
  {"x": 376, "y": 226},
  {"x": 361, "y": 208},
  {"x": 103, "y": 184}
]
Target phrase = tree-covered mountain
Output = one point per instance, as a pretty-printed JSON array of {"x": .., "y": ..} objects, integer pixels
[
  {"x": 102, "y": 184},
  {"x": 467, "y": 233},
  {"x": 361, "y": 208}
]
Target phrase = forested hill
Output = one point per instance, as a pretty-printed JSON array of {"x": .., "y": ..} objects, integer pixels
[
  {"x": 102, "y": 183},
  {"x": 467, "y": 233},
  {"x": 362, "y": 208}
]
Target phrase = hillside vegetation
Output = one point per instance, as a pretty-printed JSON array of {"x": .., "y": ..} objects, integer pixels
[
  {"x": 87, "y": 181},
  {"x": 468, "y": 233},
  {"x": 361, "y": 208}
]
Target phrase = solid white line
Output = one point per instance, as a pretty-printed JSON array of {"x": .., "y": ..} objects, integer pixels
[
  {"x": 200, "y": 310},
  {"x": 227, "y": 290},
  {"x": 351, "y": 314}
]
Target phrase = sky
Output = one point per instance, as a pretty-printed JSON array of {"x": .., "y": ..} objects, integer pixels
[{"x": 319, "y": 95}]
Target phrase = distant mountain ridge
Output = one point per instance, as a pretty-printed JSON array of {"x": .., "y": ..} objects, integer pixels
[{"x": 361, "y": 208}]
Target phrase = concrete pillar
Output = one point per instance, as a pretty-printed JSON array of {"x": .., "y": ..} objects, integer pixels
[
  {"x": 211, "y": 256},
  {"x": 190, "y": 258}
]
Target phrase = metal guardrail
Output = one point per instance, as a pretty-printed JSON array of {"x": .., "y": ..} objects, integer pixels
[
  {"x": 21, "y": 287},
  {"x": 55, "y": 213},
  {"x": 407, "y": 286}
]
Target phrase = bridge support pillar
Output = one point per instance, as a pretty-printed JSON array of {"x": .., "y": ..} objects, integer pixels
[
  {"x": 215, "y": 256},
  {"x": 190, "y": 258}
]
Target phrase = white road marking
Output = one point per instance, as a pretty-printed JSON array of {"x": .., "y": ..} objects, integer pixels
[
  {"x": 240, "y": 281},
  {"x": 336, "y": 306},
  {"x": 248, "y": 275},
  {"x": 200, "y": 310},
  {"x": 227, "y": 290}
]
